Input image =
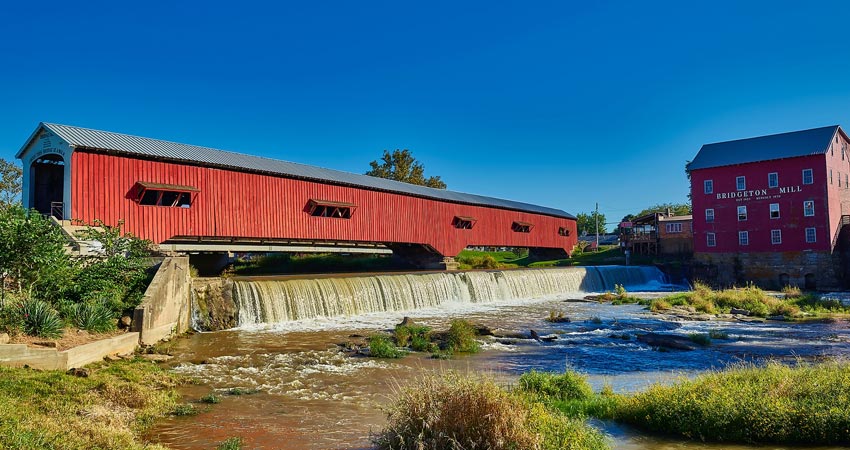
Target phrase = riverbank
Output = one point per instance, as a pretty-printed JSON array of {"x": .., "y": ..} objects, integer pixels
[{"x": 105, "y": 406}]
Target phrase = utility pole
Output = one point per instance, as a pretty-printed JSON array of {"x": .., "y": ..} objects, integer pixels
[{"x": 597, "y": 226}]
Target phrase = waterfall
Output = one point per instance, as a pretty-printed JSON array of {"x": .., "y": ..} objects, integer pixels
[{"x": 274, "y": 301}]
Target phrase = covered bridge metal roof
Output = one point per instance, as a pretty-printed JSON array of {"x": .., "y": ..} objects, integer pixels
[
  {"x": 774, "y": 146},
  {"x": 86, "y": 138}
]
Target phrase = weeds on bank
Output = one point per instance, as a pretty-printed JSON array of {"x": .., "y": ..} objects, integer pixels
[
  {"x": 752, "y": 299},
  {"x": 452, "y": 411},
  {"x": 108, "y": 409}
]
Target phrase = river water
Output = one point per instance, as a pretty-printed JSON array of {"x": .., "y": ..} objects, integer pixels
[{"x": 313, "y": 396}]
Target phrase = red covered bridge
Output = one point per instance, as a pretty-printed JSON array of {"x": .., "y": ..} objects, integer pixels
[{"x": 190, "y": 198}]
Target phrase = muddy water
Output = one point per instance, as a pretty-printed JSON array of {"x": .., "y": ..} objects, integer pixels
[{"x": 313, "y": 396}]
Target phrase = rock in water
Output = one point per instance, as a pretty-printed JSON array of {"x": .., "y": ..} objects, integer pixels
[
  {"x": 406, "y": 322},
  {"x": 4, "y": 338},
  {"x": 535, "y": 336},
  {"x": 740, "y": 311},
  {"x": 666, "y": 341}
]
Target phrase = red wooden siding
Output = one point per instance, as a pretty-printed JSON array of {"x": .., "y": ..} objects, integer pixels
[{"x": 248, "y": 205}]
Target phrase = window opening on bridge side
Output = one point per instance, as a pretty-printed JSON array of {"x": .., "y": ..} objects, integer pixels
[
  {"x": 335, "y": 210},
  {"x": 522, "y": 227},
  {"x": 167, "y": 195},
  {"x": 563, "y": 231},
  {"x": 463, "y": 222}
]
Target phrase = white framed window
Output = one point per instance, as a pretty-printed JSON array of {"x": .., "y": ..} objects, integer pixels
[
  {"x": 674, "y": 227},
  {"x": 710, "y": 240},
  {"x": 809, "y": 208},
  {"x": 775, "y": 237},
  {"x": 742, "y": 213},
  {"x": 773, "y": 180},
  {"x": 743, "y": 238},
  {"x": 839, "y": 179},
  {"x": 709, "y": 215},
  {"x": 741, "y": 183},
  {"x": 708, "y": 186},
  {"x": 808, "y": 178},
  {"x": 774, "y": 210},
  {"x": 830, "y": 176},
  {"x": 811, "y": 235}
]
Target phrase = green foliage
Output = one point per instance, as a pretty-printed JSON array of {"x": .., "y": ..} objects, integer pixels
[
  {"x": 11, "y": 176},
  {"x": 619, "y": 290},
  {"x": 185, "y": 409},
  {"x": 92, "y": 316},
  {"x": 380, "y": 346},
  {"x": 718, "y": 334},
  {"x": 453, "y": 411},
  {"x": 805, "y": 404},
  {"x": 32, "y": 255},
  {"x": 413, "y": 336},
  {"x": 461, "y": 337},
  {"x": 234, "y": 443},
  {"x": 678, "y": 209},
  {"x": 566, "y": 386},
  {"x": 211, "y": 399},
  {"x": 587, "y": 224},
  {"x": 242, "y": 391},
  {"x": 39, "y": 319},
  {"x": 400, "y": 165}
]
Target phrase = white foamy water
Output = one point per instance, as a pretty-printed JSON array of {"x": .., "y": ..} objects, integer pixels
[{"x": 359, "y": 301}]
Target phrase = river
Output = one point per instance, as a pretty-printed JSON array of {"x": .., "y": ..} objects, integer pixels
[{"x": 313, "y": 396}]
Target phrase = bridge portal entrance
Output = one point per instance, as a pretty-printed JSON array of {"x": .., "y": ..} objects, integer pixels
[{"x": 47, "y": 189}]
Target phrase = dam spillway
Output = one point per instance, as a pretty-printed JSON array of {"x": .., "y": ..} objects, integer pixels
[{"x": 277, "y": 301}]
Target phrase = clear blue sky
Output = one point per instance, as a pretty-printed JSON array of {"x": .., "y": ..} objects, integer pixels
[{"x": 561, "y": 104}]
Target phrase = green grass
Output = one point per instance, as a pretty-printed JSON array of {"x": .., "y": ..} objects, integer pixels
[
  {"x": 758, "y": 302},
  {"x": 565, "y": 386},
  {"x": 107, "y": 410},
  {"x": 234, "y": 443}
]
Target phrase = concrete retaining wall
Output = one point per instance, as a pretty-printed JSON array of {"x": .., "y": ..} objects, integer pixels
[
  {"x": 165, "y": 309},
  {"x": 19, "y": 355}
]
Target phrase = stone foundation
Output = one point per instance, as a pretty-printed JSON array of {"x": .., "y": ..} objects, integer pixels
[{"x": 773, "y": 270}]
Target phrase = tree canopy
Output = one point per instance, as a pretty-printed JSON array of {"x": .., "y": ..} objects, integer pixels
[
  {"x": 10, "y": 183},
  {"x": 400, "y": 165},
  {"x": 678, "y": 209},
  {"x": 586, "y": 223}
]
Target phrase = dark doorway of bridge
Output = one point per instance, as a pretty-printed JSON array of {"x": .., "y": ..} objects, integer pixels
[{"x": 47, "y": 189}]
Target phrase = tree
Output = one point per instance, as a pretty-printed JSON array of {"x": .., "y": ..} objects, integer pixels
[
  {"x": 678, "y": 209},
  {"x": 586, "y": 223},
  {"x": 400, "y": 165},
  {"x": 10, "y": 183}
]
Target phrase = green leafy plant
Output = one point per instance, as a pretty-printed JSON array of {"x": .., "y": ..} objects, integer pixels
[
  {"x": 566, "y": 386},
  {"x": 234, "y": 443},
  {"x": 211, "y": 399},
  {"x": 40, "y": 319},
  {"x": 461, "y": 338},
  {"x": 380, "y": 346},
  {"x": 92, "y": 316}
]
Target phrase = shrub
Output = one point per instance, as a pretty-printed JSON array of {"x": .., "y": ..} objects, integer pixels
[
  {"x": 39, "y": 319},
  {"x": 791, "y": 291},
  {"x": 234, "y": 443},
  {"x": 211, "y": 399},
  {"x": 242, "y": 391},
  {"x": 380, "y": 346},
  {"x": 658, "y": 305},
  {"x": 461, "y": 337},
  {"x": 454, "y": 412},
  {"x": 619, "y": 290},
  {"x": 718, "y": 334},
  {"x": 566, "y": 386},
  {"x": 406, "y": 334},
  {"x": 184, "y": 409},
  {"x": 92, "y": 316},
  {"x": 806, "y": 404},
  {"x": 700, "y": 339}
]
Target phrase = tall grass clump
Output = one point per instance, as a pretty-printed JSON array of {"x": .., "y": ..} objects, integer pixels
[
  {"x": 452, "y": 411},
  {"x": 805, "y": 404},
  {"x": 92, "y": 316},
  {"x": 565, "y": 386},
  {"x": 39, "y": 319},
  {"x": 234, "y": 443},
  {"x": 461, "y": 338},
  {"x": 380, "y": 346}
]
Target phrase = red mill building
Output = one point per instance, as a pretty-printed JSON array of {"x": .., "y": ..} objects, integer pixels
[{"x": 771, "y": 209}]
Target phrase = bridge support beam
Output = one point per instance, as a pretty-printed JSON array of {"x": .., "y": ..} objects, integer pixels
[{"x": 422, "y": 257}]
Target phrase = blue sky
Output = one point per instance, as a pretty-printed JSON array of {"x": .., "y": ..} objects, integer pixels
[{"x": 557, "y": 103}]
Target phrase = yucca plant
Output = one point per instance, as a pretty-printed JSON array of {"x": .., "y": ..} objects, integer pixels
[
  {"x": 40, "y": 319},
  {"x": 92, "y": 316}
]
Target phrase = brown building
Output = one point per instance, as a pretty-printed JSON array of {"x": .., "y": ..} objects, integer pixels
[{"x": 659, "y": 233}]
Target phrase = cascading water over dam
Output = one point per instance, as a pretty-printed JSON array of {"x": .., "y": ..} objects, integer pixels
[{"x": 274, "y": 301}]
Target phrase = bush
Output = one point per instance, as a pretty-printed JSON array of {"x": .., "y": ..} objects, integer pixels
[
  {"x": 700, "y": 339},
  {"x": 718, "y": 334},
  {"x": 461, "y": 337},
  {"x": 791, "y": 291},
  {"x": 234, "y": 443},
  {"x": 406, "y": 334},
  {"x": 465, "y": 412},
  {"x": 806, "y": 404},
  {"x": 39, "y": 319},
  {"x": 566, "y": 386},
  {"x": 92, "y": 316},
  {"x": 211, "y": 399},
  {"x": 380, "y": 346}
]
